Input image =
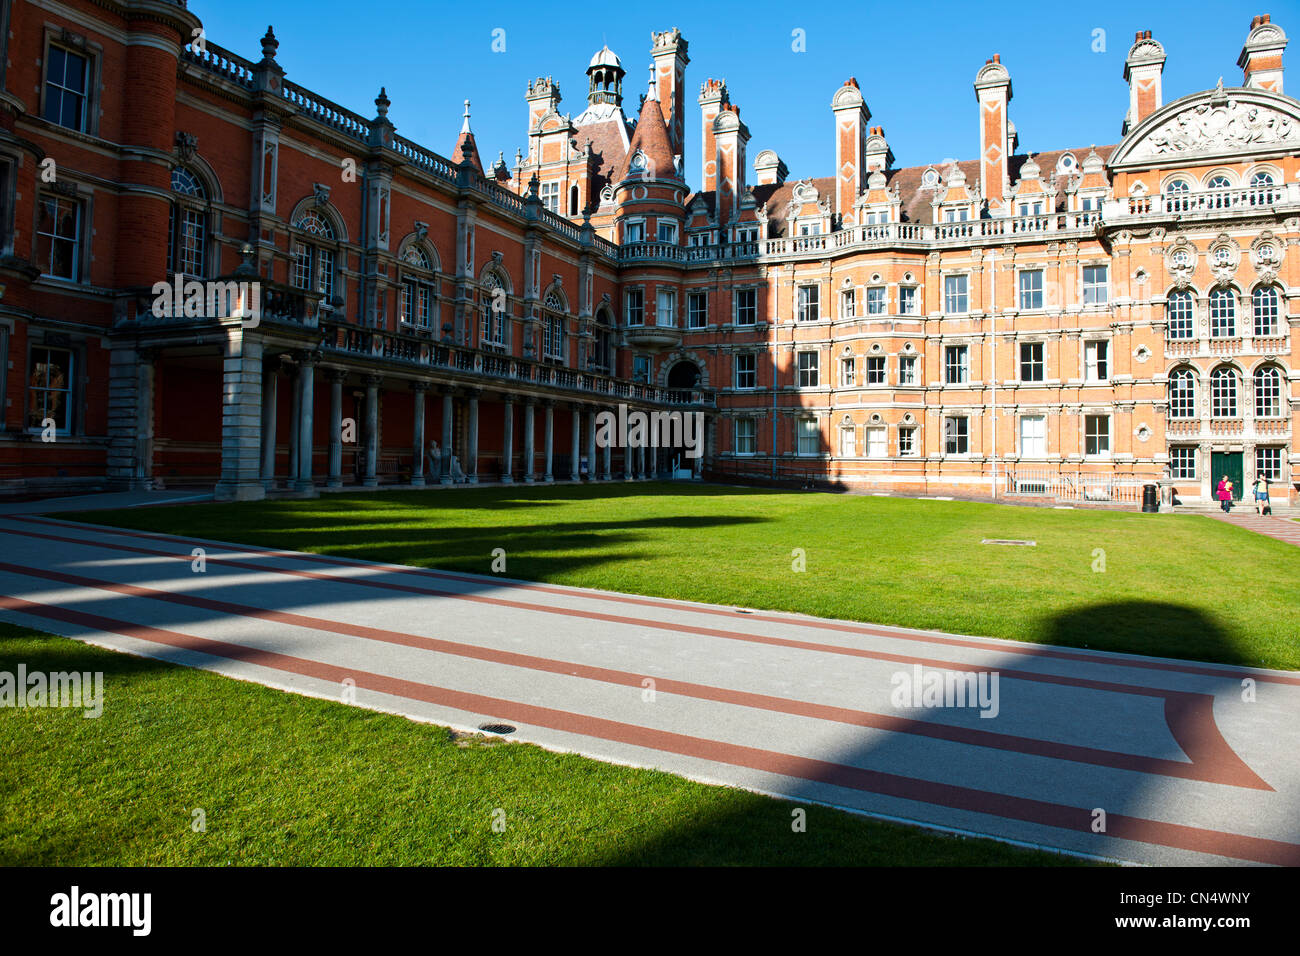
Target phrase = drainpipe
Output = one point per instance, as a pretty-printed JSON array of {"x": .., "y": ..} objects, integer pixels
[
  {"x": 993, "y": 349},
  {"x": 365, "y": 256}
]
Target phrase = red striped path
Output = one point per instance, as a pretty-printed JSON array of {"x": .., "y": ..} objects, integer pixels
[{"x": 1275, "y": 526}]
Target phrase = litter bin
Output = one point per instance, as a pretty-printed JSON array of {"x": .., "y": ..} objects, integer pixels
[{"x": 1150, "y": 499}]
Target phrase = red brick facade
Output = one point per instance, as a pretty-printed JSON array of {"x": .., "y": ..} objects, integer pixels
[{"x": 1072, "y": 323}]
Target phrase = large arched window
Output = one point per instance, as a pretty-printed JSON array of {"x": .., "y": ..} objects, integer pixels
[
  {"x": 1180, "y": 316},
  {"x": 493, "y": 306},
  {"x": 187, "y": 229},
  {"x": 419, "y": 307},
  {"x": 1176, "y": 195},
  {"x": 1223, "y": 393},
  {"x": 553, "y": 327},
  {"x": 312, "y": 255},
  {"x": 1223, "y": 313},
  {"x": 1264, "y": 307},
  {"x": 1268, "y": 392},
  {"x": 1220, "y": 185},
  {"x": 1182, "y": 393},
  {"x": 1261, "y": 188}
]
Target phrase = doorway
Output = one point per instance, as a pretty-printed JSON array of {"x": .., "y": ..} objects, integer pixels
[{"x": 1227, "y": 463}]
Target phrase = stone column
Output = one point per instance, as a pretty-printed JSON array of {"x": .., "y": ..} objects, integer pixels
[
  {"x": 306, "y": 405},
  {"x": 471, "y": 466},
  {"x": 577, "y": 435},
  {"x": 241, "y": 419},
  {"x": 418, "y": 390},
  {"x": 270, "y": 391},
  {"x": 591, "y": 445},
  {"x": 444, "y": 461},
  {"x": 295, "y": 425},
  {"x": 130, "y": 418},
  {"x": 606, "y": 472},
  {"x": 335, "y": 478},
  {"x": 530, "y": 449},
  {"x": 550, "y": 441},
  {"x": 508, "y": 444},
  {"x": 371, "y": 479}
]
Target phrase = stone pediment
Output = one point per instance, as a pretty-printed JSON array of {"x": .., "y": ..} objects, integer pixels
[{"x": 1216, "y": 123}]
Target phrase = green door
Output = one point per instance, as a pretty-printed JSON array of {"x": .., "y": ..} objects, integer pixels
[{"x": 1226, "y": 463}]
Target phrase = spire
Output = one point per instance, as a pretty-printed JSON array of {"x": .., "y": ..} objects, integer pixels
[
  {"x": 466, "y": 150},
  {"x": 654, "y": 87},
  {"x": 650, "y": 153}
]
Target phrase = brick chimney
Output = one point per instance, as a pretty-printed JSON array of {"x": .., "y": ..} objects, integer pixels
[
  {"x": 730, "y": 137},
  {"x": 1142, "y": 68},
  {"x": 713, "y": 97},
  {"x": 993, "y": 91},
  {"x": 851, "y": 118},
  {"x": 1261, "y": 57}
]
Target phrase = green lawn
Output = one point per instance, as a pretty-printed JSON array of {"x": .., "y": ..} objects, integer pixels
[
  {"x": 1172, "y": 585},
  {"x": 292, "y": 780}
]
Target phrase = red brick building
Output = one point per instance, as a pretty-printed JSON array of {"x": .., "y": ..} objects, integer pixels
[{"x": 1071, "y": 323}]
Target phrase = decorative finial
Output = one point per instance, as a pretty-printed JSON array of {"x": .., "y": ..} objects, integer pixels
[
  {"x": 269, "y": 44},
  {"x": 653, "y": 94},
  {"x": 382, "y": 102},
  {"x": 464, "y": 127}
]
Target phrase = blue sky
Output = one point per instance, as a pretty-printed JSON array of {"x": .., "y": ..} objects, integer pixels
[{"x": 914, "y": 61}]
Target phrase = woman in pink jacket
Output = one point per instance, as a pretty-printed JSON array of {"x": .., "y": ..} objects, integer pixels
[{"x": 1225, "y": 493}]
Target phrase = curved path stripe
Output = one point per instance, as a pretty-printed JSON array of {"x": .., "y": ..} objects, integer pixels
[
  {"x": 1235, "y": 846},
  {"x": 1190, "y": 716}
]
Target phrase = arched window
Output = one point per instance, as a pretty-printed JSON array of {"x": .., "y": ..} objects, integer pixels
[
  {"x": 1268, "y": 392},
  {"x": 1181, "y": 318},
  {"x": 418, "y": 297},
  {"x": 1264, "y": 306},
  {"x": 1261, "y": 188},
  {"x": 187, "y": 229},
  {"x": 312, "y": 256},
  {"x": 1220, "y": 185},
  {"x": 553, "y": 327},
  {"x": 1223, "y": 393},
  {"x": 1182, "y": 393},
  {"x": 1176, "y": 195},
  {"x": 493, "y": 305},
  {"x": 573, "y": 200},
  {"x": 1223, "y": 313}
]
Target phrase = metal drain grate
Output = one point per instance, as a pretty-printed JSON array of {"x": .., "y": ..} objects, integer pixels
[{"x": 502, "y": 729}]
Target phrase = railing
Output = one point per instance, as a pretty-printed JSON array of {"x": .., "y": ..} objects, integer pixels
[
  {"x": 423, "y": 158},
  {"x": 1272, "y": 426},
  {"x": 326, "y": 112},
  {"x": 221, "y": 61},
  {"x": 1208, "y": 201},
  {"x": 651, "y": 250},
  {"x": 420, "y": 350},
  {"x": 1075, "y": 487}
]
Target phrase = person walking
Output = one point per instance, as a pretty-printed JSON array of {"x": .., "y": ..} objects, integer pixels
[
  {"x": 1225, "y": 493},
  {"x": 1262, "y": 506}
]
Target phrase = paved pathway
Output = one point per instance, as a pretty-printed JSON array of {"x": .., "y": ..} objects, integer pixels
[
  {"x": 1184, "y": 769},
  {"x": 1275, "y": 526}
]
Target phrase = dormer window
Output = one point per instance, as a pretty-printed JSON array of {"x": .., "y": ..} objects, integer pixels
[
  {"x": 930, "y": 178},
  {"x": 810, "y": 228},
  {"x": 638, "y": 163},
  {"x": 955, "y": 214}
]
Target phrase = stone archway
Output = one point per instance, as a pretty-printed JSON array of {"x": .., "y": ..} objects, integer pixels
[{"x": 683, "y": 374}]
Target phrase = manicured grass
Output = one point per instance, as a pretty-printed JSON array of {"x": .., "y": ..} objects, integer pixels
[
  {"x": 1181, "y": 586},
  {"x": 287, "y": 779}
]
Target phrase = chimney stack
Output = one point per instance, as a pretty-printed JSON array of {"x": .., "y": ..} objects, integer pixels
[
  {"x": 993, "y": 91},
  {"x": 668, "y": 50},
  {"x": 851, "y": 117},
  {"x": 730, "y": 137},
  {"x": 713, "y": 96},
  {"x": 1261, "y": 57},
  {"x": 1142, "y": 68}
]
